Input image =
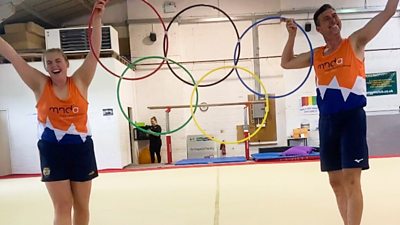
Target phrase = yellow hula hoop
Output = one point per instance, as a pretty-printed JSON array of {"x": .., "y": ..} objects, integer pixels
[{"x": 216, "y": 139}]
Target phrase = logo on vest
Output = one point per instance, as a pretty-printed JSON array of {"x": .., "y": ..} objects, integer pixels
[
  {"x": 332, "y": 64},
  {"x": 46, "y": 171},
  {"x": 65, "y": 110}
]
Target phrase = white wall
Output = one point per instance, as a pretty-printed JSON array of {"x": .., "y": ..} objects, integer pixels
[
  {"x": 20, "y": 103},
  {"x": 110, "y": 134}
]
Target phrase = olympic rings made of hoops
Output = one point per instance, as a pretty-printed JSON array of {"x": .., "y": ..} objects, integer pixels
[
  {"x": 236, "y": 57},
  {"x": 166, "y": 48},
  {"x": 193, "y": 111},
  {"x": 111, "y": 72},
  {"x": 122, "y": 109}
]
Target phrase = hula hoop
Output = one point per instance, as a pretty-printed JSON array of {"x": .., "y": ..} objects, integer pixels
[
  {"x": 216, "y": 139},
  {"x": 125, "y": 114},
  {"x": 169, "y": 26},
  {"x": 236, "y": 58},
  {"x": 111, "y": 72}
]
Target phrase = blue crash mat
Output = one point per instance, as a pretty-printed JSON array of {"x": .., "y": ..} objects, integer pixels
[
  {"x": 278, "y": 156},
  {"x": 211, "y": 160}
]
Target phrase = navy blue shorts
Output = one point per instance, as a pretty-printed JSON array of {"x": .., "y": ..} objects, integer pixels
[
  {"x": 74, "y": 162},
  {"x": 343, "y": 141}
]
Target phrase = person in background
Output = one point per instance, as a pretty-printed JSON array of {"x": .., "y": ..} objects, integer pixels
[
  {"x": 222, "y": 148},
  {"x": 341, "y": 97},
  {"x": 155, "y": 140},
  {"x": 65, "y": 145}
]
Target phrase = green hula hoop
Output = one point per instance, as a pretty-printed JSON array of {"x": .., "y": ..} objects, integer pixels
[{"x": 129, "y": 66}]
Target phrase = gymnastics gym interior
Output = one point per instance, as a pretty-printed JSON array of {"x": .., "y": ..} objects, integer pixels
[{"x": 210, "y": 72}]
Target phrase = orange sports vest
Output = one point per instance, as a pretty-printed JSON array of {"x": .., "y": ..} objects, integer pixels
[
  {"x": 64, "y": 117},
  {"x": 340, "y": 79}
]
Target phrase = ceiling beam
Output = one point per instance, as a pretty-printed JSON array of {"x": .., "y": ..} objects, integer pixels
[
  {"x": 34, "y": 13},
  {"x": 86, "y": 5}
]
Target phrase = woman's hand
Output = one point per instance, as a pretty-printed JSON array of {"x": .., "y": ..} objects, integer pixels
[{"x": 100, "y": 6}]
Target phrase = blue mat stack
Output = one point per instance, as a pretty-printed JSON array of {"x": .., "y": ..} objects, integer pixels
[
  {"x": 278, "y": 156},
  {"x": 211, "y": 160}
]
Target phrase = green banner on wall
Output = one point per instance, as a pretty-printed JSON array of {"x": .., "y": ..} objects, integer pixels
[{"x": 382, "y": 83}]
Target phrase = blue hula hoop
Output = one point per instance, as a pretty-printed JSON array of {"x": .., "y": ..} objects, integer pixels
[{"x": 236, "y": 58}]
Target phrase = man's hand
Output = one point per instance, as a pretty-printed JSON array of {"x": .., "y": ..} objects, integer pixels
[{"x": 290, "y": 26}]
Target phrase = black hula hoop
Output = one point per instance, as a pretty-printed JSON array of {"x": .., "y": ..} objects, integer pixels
[{"x": 165, "y": 46}]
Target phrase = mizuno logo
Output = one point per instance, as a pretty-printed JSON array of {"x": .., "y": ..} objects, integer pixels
[{"x": 358, "y": 160}]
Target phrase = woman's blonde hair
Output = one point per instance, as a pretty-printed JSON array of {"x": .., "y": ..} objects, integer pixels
[{"x": 53, "y": 50}]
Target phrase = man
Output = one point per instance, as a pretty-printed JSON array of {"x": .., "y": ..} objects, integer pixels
[{"x": 341, "y": 97}]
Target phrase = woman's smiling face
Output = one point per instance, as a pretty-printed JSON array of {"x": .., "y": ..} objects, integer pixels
[{"x": 56, "y": 65}]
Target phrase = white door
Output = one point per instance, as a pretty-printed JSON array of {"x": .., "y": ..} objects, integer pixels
[{"x": 5, "y": 160}]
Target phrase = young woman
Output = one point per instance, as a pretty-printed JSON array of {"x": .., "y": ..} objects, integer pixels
[
  {"x": 155, "y": 140},
  {"x": 67, "y": 157}
]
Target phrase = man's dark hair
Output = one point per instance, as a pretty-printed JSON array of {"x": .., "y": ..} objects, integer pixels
[{"x": 320, "y": 11}]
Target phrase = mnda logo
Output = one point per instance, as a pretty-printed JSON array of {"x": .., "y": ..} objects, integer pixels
[
  {"x": 332, "y": 64},
  {"x": 65, "y": 110}
]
